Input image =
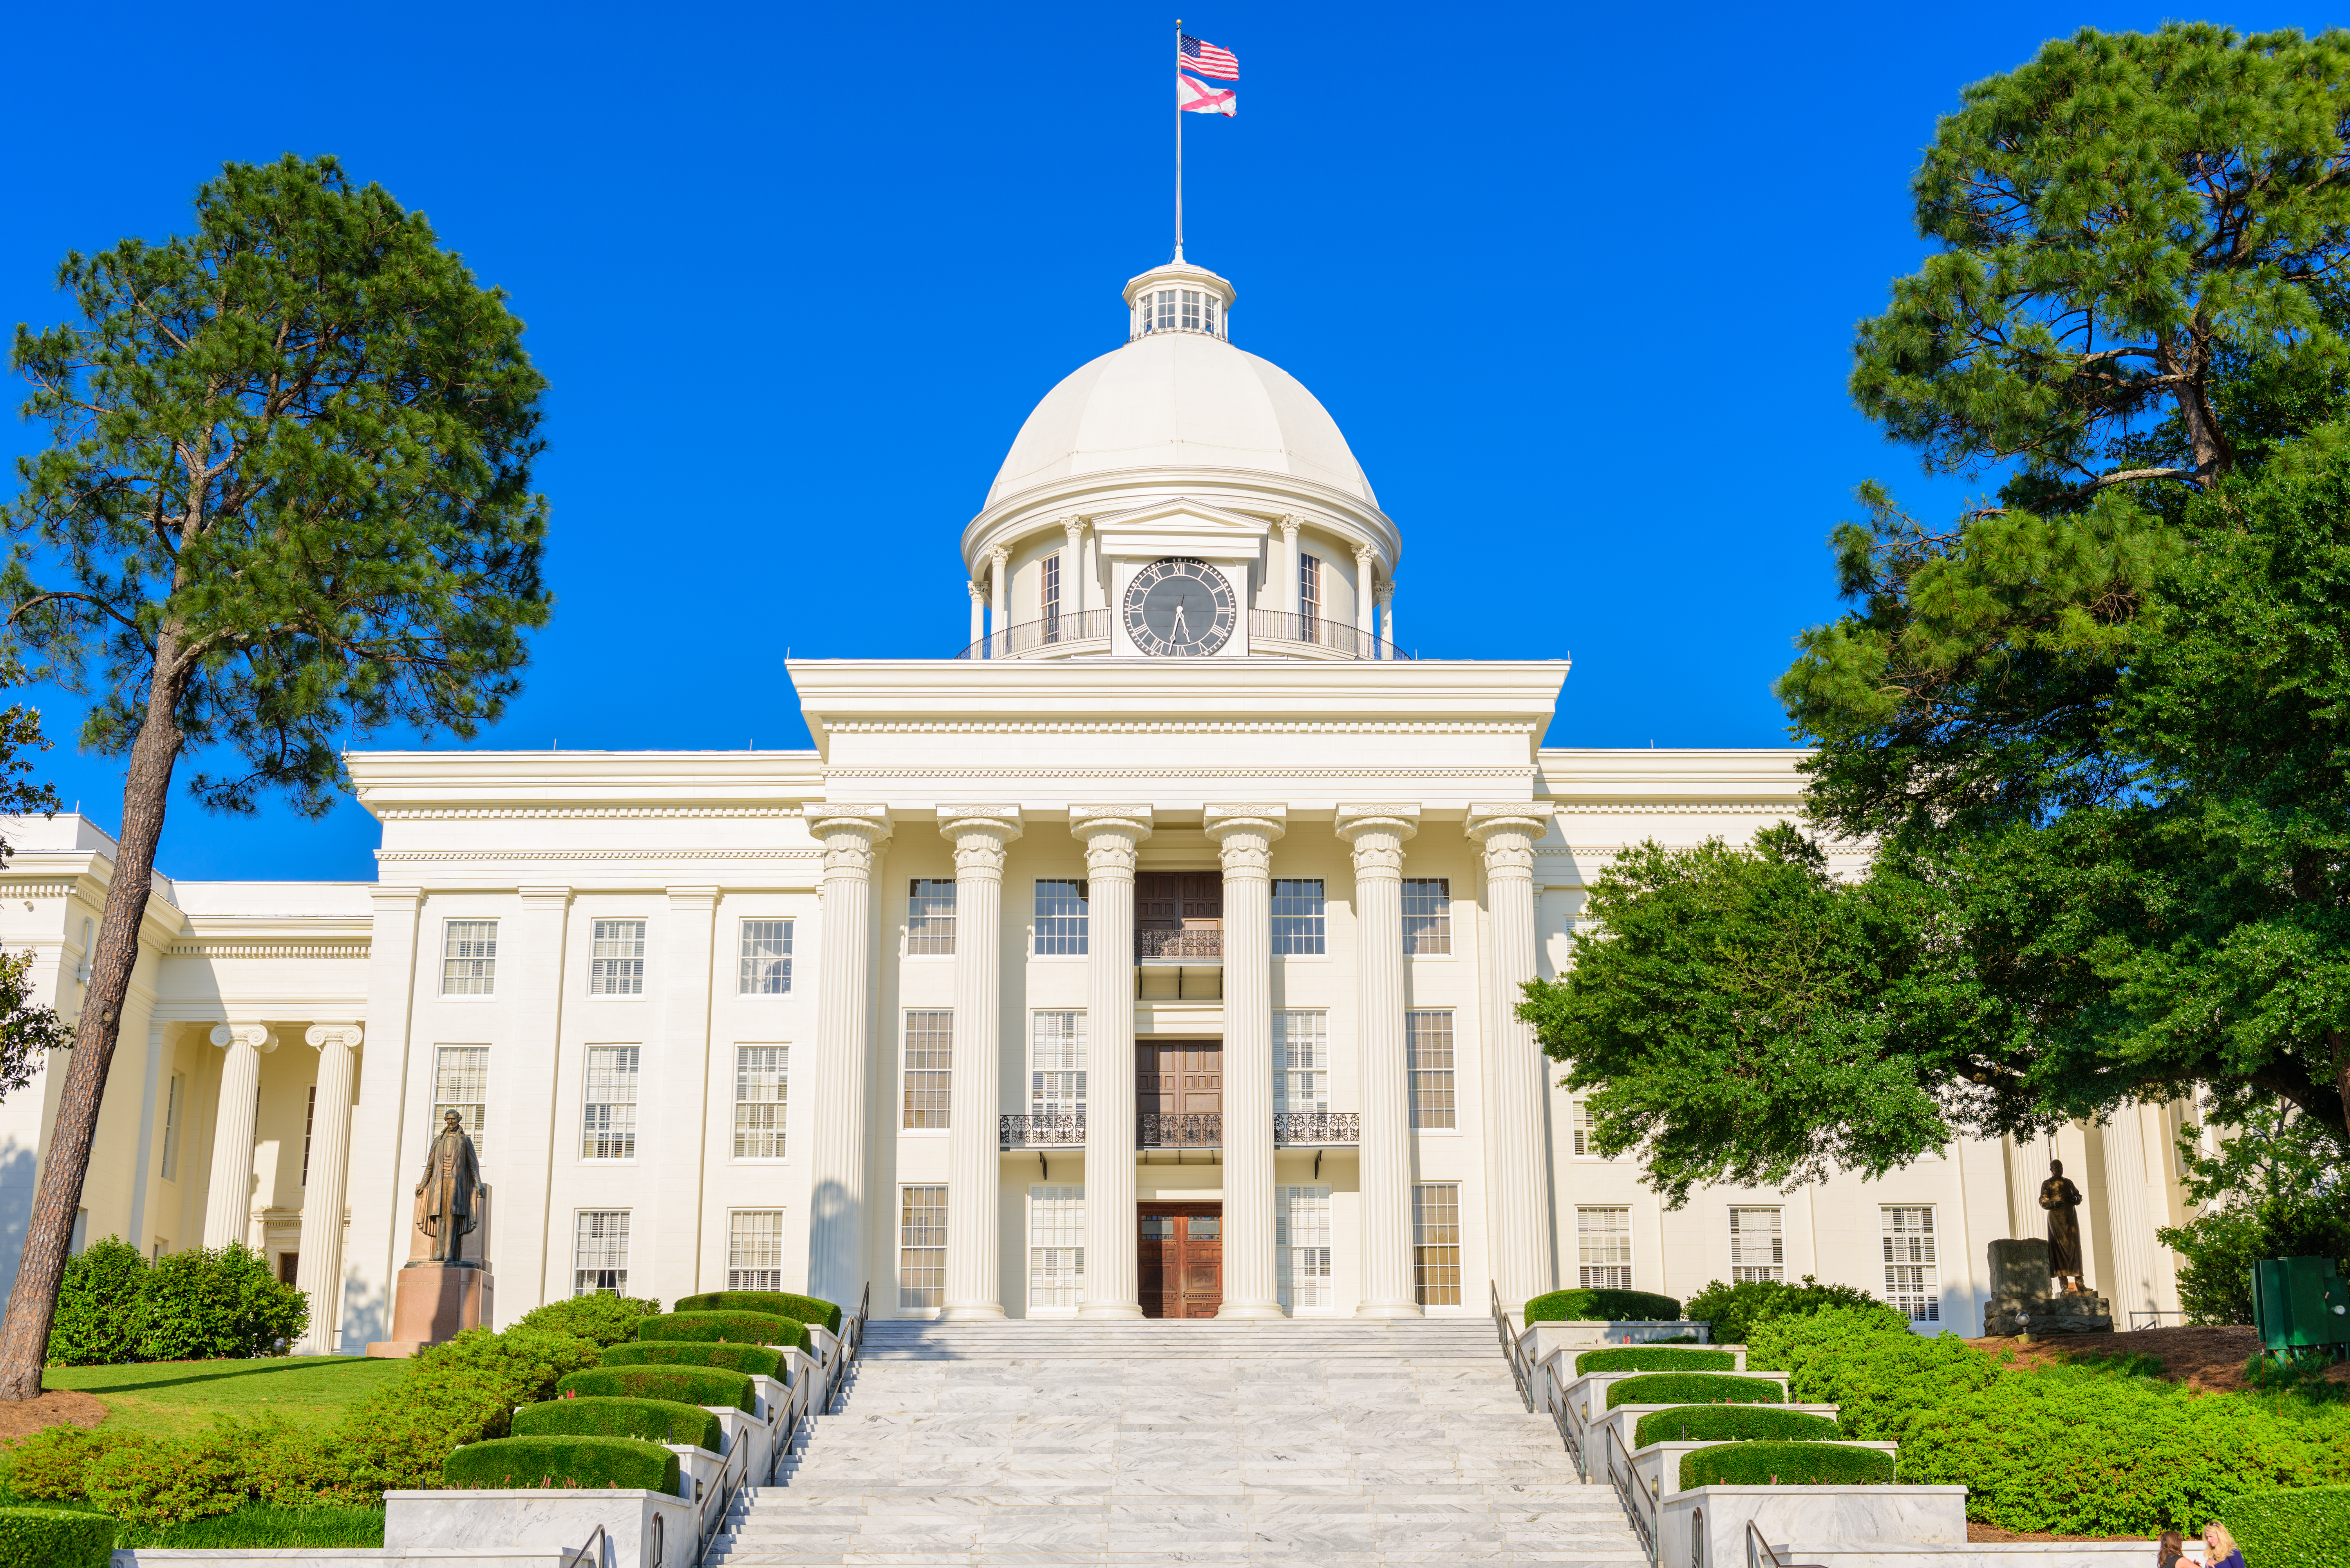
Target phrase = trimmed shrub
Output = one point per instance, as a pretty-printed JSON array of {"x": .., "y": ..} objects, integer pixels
[
  {"x": 614, "y": 1415},
  {"x": 204, "y": 1306},
  {"x": 686, "y": 1385},
  {"x": 1735, "y": 1310},
  {"x": 736, "y": 1328},
  {"x": 586, "y": 1462},
  {"x": 47, "y": 1466},
  {"x": 99, "y": 1314},
  {"x": 1603, "y": 1306},
  {"x": 1732, "y": 1423},
  {"x": 396, "y": 1438},
  {"x": 782, "y": 1303},
  {"x": 1694, "y": 1388},
  {"x": 55, "y": 1538},
  {"x": 1786, "y": 1464},
  {"x": 604, "y": 1318},
  {"x": 2306, "y": 1529},
  {"x": 264, "y": 1526},
  {"x": 1654, "y": 1358},
  {"x": 525, "y": 1362},
  {"x": 756, "y": 1360}
]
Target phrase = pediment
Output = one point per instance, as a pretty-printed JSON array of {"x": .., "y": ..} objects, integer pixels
[{"x": 1182, "y": 527}]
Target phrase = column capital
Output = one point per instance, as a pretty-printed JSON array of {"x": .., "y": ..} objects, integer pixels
[
  {"x": 1111, "y": 834},
  {"x": 318, "y": 1036},
  {"x": 254, "y": 1035},
  {"x": 978, "y": 594},
  {"x": 999, "y": 554},
  {"x": 1290, "y": 525},
  {"x": 1244, "y": 836},
  {"x": 1073, "y": 526},
  {"x": 1378, "y": 817},
  {"x": 1363, "y": 557},
  {"x": 979, "y": 834},
  {"x": 1385, "y": 590},
  {"x": 1508, "y": 831},
  {"x": 850, "y": 834}
]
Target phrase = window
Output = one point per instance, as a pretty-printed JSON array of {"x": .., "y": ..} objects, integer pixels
[
  {"x": 755, "y": 1250},
  {"x": 1755, "y": 1251},
  {"x": 1301, "y": 1244},
  {"x": 81, "y": 1237},
  {"x": 1436, "y": 1242},
  {"x": 1056, "y": 1245},
  {"x": 1428, "y": 1042},
  {"x": 289, "y": 1268},
  {"x": 931, "y": 916},
  {"x": 1578, "y": 1113},
  {"x": 309, "y": 1121},
  {"x": 469, "y": 958},
  {"x": 175, "y": 1104},
  {"x": 1909, "y": 1281},
  {"x": 1603, "y": 1247},
  {"x": 1057, "y": 1064},
  {"x": 761, "y": 1085},
  {"x": 1310, "y": 597},
  {"x": 599, "y": 1254},
  {"x": 922, "y": 1247},
  {"x": 1427, "y": 915},
  {"x": 1212, "y": 324},
  {"x": 616, "y": 966},
  {"x": 1166, "y": 310},
  {"x": 1190, "y": 310},
  {"x": 461, "y": 1083},
  {"x": 930, "y": 1058},
  {"x": 1297, "y": 916},
  {"x": 608, "y": 1118},
  {"x": 1301, "y": 1061},
  {"x": 1052, "y": 596},
  {"x": 765, "y": 968},
  {"x": 1061, "y": 918}
]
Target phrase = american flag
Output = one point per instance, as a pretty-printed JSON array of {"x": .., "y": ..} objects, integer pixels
[{"x": 1192, "y": 55}]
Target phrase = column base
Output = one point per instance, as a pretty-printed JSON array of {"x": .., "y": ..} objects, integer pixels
[
  {"x": 1251, "y": 1311},
  {"x": 1389, "y": 1310},
  {"x": 1108, "y": 1309},
  {"x": 981, "y": 1311}
]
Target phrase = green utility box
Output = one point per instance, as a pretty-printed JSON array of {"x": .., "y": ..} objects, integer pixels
[{"x": 2300, "y": 1302}]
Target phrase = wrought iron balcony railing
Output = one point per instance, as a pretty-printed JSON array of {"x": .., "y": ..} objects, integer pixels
[
  {"x": 1197, "y": 944},
  {"x": 1335, "y": 637},
  {"x": 1069, "y": 626},
  {"x": 1048, "y": 1129},
  {"x": 1317, "y": 1130},
  {"x": 1180, "y": 1130}
]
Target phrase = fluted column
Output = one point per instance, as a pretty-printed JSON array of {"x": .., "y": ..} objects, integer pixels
[
  {"x": 1244, "y": 836},
  {"x": 1366, "y": 572},
  {"x": 1073, "y": 576},
  {"x": 320, "y": 1274},
  {"x": 1291, "y": 597},
  {"x": 1000, "y": 585},
  {"x": 228, "y": 1201},
  {"x": 974, "y": 1279},
  {"x": 978, "y": 617},
  {"x": 1111, "y": 835},
  {"x": 1517, "y": 1075},
  {"x": 844, "y": 1048},
  {"x": 1378, "y": 834},
  {"x": 2135, "y": 1286},
  {"x": 1387, "y": 617}
]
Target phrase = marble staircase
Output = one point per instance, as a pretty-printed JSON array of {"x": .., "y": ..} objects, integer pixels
[{"x": 1043, "y": 1443}]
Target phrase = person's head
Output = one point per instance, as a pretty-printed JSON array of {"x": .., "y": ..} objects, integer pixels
[
  {"x": 2169, "y": 1548},
  {"x": 2055, "y": 1167},
  {"x": 449, "y": 1121},
  {"x": 2217, "y": 1541}
]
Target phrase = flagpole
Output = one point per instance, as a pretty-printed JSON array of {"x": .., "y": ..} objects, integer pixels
[{"x": 1179, "y": 146}]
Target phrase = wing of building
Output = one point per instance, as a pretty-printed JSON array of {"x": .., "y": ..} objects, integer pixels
[{"x": 1154, "y": 954}]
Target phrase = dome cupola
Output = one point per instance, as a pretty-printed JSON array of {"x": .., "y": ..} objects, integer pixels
[{"x": 1181, "y": 297}]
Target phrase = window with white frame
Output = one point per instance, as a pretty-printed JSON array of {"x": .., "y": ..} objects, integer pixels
[
  {"x": 1057, "y": 1064},
  {"x": 608, "y": 1112},
  {"x": 1300, "y": 1241},
  {"x": 761, "y": 1088},
  {"x": 1756, "y": 1249},
  {"x": 1052, "y": 596},
  {"x": 600, "y": 1253},
  {"x": 764, "y": 965},
  {"x": 1586, "y": 1140},
  {"x": 1309, "y": 595},
  {"x": 921, "y": 1248},
  {"x": 755, "y": 1250},
  {"x": 1056, "y": 1245},
  {"x": 1062, "y": 917},
  {"x": 175, "y": 1110},
  {"x": 931, "y": 915},
  {"x": 1909, "y": 1278},
  {"x": 1603, "y": 1248},
  {"x": 469, "y": 958},
  {"x": 1427, "y": 915},
  {"x": 616, "y": 960},
  {"x": 461, "y": 1083},
  {"x": 1301, "y": 1061},
  {"x": 1428, "y": 1045},
  {"x": 1298, "y": 924},
  {"x": 1436, "y": 1242},
  {"x": 930, "y": 1062}
]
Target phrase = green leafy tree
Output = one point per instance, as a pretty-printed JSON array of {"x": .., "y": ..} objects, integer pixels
[
  {"x": 286, "y": 497},
  {"x": 2272, "y": 1188},
  {"x": 29, "y": 1031}
]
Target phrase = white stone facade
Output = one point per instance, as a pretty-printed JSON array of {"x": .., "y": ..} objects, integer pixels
[{"x": 704, "y": 1015}]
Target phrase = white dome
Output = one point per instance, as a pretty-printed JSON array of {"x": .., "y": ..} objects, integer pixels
[{"x": 1179, "y": 399}]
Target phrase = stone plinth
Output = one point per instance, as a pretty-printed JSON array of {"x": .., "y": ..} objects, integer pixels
[
  {"x": 432, "y": 1303},
  {"x": 2020, "y": 1302},
  {"x": 2019, "y": 1269},
  {"x": 642, "y": 1528}
]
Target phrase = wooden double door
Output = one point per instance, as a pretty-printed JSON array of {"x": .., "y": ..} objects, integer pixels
[
  {"x": 1182, "y": 1258},
  {"x": 1174, "y": 1077}
]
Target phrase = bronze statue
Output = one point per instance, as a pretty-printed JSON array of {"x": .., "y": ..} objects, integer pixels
[
  {"x": 448, "y": 1195},
  {"x": 2061, "y": 1199}
]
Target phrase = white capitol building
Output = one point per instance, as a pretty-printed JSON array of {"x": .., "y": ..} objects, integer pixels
[{"x": 1156, "y": 956}]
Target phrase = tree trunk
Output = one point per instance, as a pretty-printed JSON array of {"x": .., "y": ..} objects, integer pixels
[
  {"x": 146, "y": 789},
  {"x": 2340, "y": 1043}
]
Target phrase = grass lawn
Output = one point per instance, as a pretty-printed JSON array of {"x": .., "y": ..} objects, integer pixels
[{"x": 173, "y": 1397}]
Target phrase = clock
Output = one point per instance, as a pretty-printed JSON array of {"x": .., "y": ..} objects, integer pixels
[{"x": 1179, "y": 609}]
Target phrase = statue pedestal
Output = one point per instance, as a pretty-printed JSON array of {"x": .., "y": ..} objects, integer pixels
[{"x": 434, "y": 1302}]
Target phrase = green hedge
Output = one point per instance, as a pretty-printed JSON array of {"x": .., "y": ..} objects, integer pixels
[
  {"x": 1603, "y": 1306},
  {"x": 603, "y": 1316},
  {"x": 1654, "y": 1358},
  {"x": 53, "y": 1538},
  {"x": 1694, "y": 1388},
  {"x": 114, "y": 1306},
  {"x": 617, "y": 1415},
  {"x": 1735, "y": 1310},
  {"x": 500, "y": 1463},
  {"x": 756, "y": 1360},
  {"x": 1786, "y": 1464},
  {"x": 783, "y": 1304},
  {"x": 1730, "y": 1423},
  {"x": 737, "y": 1327},
  {"x": 686, "y": 1385},
  {"x": 2309, "y": 1528}
]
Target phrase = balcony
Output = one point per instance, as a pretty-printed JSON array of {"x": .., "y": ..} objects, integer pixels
[
  {"x": 1180, "y": 1130},
  {"x": 1278, "y": 632},
  {"x": 1050, "y": 1129},
  {"x": 1317, "y": 1130},
  {"x": 1196, "y": 944},
  {"x": 1313, "y": 637},
  {"x": 1054, "y": 634}
]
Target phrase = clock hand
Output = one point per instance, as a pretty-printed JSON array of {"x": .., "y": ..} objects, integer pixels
[{"x": 1180, "y": 631}]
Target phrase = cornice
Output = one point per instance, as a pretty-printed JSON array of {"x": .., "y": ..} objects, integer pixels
[
  {"x": 915, "y": 772},
  {"x": 1253, "y": 491},
  {"x": 266, "y": 949},
  {"x": 1162, "y": 727},
  {"x": 505, "y": 856},
  {"x": 1727, "y": 806},
  {"x": 608, "y": 812}
]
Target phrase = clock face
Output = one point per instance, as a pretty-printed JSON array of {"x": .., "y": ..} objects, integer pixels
[{"x": 1180, "y": 608}]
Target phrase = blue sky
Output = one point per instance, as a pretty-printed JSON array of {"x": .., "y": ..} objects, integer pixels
[{"x": 1578, "y": 283}]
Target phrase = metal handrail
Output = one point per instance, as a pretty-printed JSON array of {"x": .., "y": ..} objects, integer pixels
[
  {"x": 1178, "y": 1129},
  {"x": 1069, "y": 626},
  {"x": 1309, "y": 1129},
  {"x": 2153, "y": 1316},
  {"x": 850, "y": 1343},
  {"x": 1631, "y": 1493},
  {"x": 1336, "y": 636},
  {"x": 588, "y": 1555},
  {"x": 1521, "y": 1367},
  {"x": 1041, "y": 1129},
  {"x": 1194, "y": 943},
  {"x": 1759, "y": 1551}
]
